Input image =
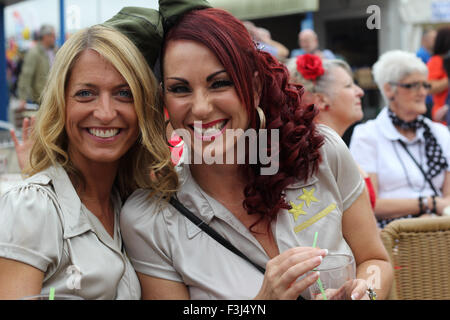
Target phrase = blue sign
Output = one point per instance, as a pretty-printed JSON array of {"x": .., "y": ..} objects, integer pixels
[{"x": 440, "y": 11}]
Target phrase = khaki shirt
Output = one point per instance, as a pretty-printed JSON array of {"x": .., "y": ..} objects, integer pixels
[
  {"x": 162, "y": 243},
  {"x": 33, "y": 76},
  {"x": 44, "y": 224}
]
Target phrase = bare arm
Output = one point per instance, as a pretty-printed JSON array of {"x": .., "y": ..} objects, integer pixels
[
  {"x": 395, "y": 208},
  {"x": 161, "y": 289},
  {"x": 18, "y": 279},
  {"x": 279, "y": 280},
  {"x": 372, "y": 261},
  {"x": 438, "y": 85},
  {"x": 282, "y": 51}
]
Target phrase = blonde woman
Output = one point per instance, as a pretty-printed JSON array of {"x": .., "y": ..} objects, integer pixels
[{"x": 96, "y": 138}]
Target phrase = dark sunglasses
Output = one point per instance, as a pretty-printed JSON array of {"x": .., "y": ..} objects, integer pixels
[{"x": 413, "y": 85}]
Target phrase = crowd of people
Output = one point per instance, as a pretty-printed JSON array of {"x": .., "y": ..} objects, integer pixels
[{"x": 101, "y": 180}]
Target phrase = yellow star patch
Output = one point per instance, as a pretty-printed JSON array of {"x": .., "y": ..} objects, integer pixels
[
  {"x": 296, "y": 210},
  {"x": 308, "y": 196}
]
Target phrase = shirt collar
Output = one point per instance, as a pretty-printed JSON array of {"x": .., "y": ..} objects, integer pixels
[
  {"x": 385, "y": 126},
  {"x": 193, "y": 197},
  {"x": 74, "y": 222}
]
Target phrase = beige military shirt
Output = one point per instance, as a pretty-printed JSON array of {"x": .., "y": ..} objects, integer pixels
[
  {"x": 44, "y": 224},
  {"x": 162, "y": 243}
]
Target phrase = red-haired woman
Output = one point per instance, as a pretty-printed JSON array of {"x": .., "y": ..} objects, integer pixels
[{"x": 217, "y": 82}]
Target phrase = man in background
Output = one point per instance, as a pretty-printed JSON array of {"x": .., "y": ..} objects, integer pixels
[
  {"x": 309, "y": 43},
  {"x": 35, "y": 68},
  {"x": 426, "y": 48}
]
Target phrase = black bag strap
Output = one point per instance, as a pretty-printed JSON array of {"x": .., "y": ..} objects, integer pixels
[
  {"x": 211, "y": 232},
  {"x": 418, "y": 165}
]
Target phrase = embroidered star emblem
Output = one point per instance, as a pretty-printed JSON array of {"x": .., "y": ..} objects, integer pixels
[
  {"x": 297, "y": 210},
  {"x": 308, "y": 196}
]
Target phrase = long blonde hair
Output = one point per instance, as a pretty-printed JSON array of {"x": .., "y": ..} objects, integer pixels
[{"x": 147, "y": 164}]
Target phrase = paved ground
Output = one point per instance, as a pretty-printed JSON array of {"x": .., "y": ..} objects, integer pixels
[{"x": 7, "y": 151}]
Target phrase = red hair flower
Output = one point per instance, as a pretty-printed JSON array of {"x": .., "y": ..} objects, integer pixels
[{"x": 310, "y": 66}]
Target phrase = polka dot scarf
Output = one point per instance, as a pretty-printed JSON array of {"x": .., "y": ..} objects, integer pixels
[{"x": 435, "y": 159}]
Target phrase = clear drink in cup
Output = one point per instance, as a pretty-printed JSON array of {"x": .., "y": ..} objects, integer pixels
[{"x": 337, "y": 272}]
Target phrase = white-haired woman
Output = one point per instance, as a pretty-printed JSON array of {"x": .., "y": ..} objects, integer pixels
[{"x": 405, "y": 154}]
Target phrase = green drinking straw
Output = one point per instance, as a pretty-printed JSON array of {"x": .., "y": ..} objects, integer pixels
[
  {"x": 52, "y": 294},
  {"x": 319, "y": 282}
]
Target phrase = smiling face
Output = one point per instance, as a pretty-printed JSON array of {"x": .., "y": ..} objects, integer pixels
[
  {"x": 200, "y": 95},
  {"x": 101, "y": 122}
]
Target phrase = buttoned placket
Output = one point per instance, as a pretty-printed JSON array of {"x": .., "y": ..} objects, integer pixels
[{"x": 80, "y": 219}]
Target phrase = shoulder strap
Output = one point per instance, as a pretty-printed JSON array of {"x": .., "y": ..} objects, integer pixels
[
  {"x": 420, "y": 168},
  {"x": 211, "y": 232}
]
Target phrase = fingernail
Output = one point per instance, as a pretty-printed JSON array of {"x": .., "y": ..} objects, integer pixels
[{"x": 354, "y": 296}]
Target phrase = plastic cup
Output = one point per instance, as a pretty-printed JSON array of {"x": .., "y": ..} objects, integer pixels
[{"x": 337, "y": 272}]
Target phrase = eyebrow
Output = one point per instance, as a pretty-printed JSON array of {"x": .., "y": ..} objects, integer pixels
[
  {"x": 208, "y": 78},
  {"x": 211, "y": 76},
  {"x": 179, "y": 79},
  {"x": 90, "y": 85}
]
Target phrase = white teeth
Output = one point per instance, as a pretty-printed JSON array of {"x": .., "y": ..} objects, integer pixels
[
  {"x": 104, "y": 133},
  {"x": 210, "y": 130}
]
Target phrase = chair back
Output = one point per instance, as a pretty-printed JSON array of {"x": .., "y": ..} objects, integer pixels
[{"x": 419, "y": 249}]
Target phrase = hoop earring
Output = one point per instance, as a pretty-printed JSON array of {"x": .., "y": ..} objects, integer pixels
[
  {"x": 166, "y": 123},
  {"x": 262, "y": 118}
]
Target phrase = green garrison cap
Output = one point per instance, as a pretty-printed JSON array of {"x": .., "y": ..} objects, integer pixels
[
  {"x": 143, "y": 26},
  {"x": 171, "y": 10}
]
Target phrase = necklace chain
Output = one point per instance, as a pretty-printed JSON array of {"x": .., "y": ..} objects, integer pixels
[{"x": 410, "y": 184}]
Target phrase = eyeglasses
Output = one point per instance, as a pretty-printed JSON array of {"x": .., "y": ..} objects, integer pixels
[{"x": 413, "y": 85}]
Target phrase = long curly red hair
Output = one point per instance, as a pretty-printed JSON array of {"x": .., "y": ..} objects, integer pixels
[{"x": 281, "y": 102}]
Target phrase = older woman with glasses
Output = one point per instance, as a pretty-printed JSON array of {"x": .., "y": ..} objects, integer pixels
[{"x": 405, "y": 154}]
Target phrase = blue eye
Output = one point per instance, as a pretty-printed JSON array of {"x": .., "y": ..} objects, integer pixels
[
  {"x": 125, "y": 93},
  {"x": 83, "y": 93}
]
